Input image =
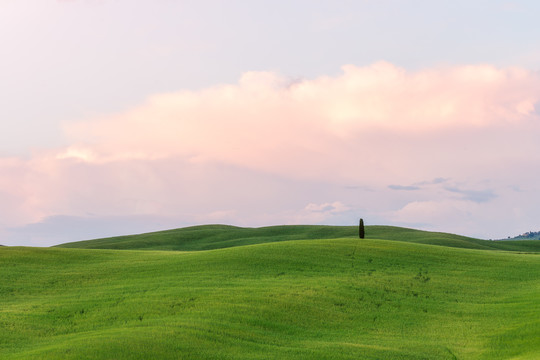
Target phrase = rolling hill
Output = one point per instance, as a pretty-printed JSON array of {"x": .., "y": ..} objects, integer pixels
[
  {"x": 272, "y": 297},
  {"x": 207, "y": 237}
]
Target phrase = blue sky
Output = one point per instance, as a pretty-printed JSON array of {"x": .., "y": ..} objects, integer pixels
[{"x": 80, "y": 78}]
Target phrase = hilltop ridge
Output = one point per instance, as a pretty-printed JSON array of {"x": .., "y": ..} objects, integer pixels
[{"x": 209, "y": 237}]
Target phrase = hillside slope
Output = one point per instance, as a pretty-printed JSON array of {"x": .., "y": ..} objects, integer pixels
[
  {"x": 207, "y": 237},
  {"x": 315, "y": 299}
]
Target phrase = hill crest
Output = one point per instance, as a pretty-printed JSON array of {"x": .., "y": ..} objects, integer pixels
[{"x": 217, "y": 236}]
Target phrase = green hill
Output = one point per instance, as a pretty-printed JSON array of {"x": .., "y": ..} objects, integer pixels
[
  {"x": 208, "y": 237},
  {"x": 341, "y": 298}
]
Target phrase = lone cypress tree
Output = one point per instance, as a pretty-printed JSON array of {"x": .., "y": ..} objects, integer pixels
[{"x": 361, "y": 229}]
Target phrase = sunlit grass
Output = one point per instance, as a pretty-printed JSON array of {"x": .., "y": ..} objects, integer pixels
[{"x": 319, "y": 299}]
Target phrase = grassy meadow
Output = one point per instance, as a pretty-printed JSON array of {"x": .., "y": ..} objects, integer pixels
[{"x": 288, "y": 292}]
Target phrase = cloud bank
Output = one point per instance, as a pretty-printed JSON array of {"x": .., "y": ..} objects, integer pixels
[{"x": 450, "y": 148}]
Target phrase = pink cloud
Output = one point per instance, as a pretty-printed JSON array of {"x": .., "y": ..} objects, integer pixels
[
  {"x": 266, "y": 122},
  {"x": 267, "y": 150}
]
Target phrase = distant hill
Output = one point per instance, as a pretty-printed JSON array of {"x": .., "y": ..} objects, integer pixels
[
  {"x": 530, "y": 235},
  {"x": 208, "y": 237}
]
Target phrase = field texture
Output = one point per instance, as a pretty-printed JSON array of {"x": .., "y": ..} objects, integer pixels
[{"x": 305, "y": 298}]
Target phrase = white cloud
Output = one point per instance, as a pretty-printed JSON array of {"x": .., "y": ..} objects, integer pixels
[
  {"x": 434, "y": 212},
  {"x": 335, "y": 207}
]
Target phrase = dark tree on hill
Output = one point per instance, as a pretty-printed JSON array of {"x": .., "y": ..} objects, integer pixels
[{"x": 361, "y": 232}]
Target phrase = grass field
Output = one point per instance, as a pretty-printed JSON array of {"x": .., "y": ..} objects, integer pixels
[{"x": 284, "y": 293}]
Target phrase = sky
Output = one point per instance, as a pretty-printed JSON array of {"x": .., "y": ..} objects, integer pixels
[{"x": 128, "y": 116}]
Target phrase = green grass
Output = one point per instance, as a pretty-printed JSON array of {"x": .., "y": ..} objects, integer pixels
[
  {"x": 207, "y": 237},
  {"x": 338, "y": 298}
]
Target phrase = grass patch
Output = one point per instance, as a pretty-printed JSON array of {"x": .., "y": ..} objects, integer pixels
[{"x": 298, "y": 299}]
